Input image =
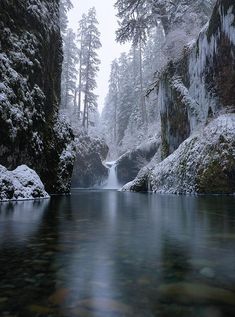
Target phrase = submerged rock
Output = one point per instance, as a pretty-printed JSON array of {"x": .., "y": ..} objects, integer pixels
[
  {"x": 89, "y": 169},
  {"x": 188, "y": 293},
  {"x": 207, "y": 272},
  {"x": 21, "y": 183},
  {"x": 106, "y": 305},
  {"x": 204, "y": 163}
]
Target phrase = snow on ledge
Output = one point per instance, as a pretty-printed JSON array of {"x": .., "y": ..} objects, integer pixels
[{"x": 22, "y": 183}]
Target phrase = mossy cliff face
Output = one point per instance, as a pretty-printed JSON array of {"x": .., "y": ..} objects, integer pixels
[
  {"x": 201, "y": 83},
  {"x": 30, "y": 71}
]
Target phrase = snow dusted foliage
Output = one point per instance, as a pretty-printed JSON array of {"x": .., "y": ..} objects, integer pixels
[
  {"x": 66, "y": 148},
  {"x": 30, "y": 73},
  {"x": 20, "y": 184},
  {"x": 204, "y": 163}
]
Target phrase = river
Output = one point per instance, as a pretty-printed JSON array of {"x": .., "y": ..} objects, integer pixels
[{"x": 113, "y": 254}]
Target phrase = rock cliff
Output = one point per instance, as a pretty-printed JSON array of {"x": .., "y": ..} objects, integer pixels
[
  {"x": 30, "y": 72},
  {"x": 89, "y": 170},
  {"x": 197, "y": 103},
  {"x": 130, "y": 163},
  {"x": 201, "y": 84}
]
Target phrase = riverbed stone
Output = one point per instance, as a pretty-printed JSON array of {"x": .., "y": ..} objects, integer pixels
[
  {"x": 189, "y": 293},
  {"x": 207, "y": 272}
]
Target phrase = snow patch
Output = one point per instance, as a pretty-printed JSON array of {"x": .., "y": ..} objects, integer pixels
[
  {"x": 22, "y": 183},
  {"x": 182, "y": 171}
]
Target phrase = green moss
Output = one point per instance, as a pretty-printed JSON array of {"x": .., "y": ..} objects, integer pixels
[{"x": 215, "y": 179}]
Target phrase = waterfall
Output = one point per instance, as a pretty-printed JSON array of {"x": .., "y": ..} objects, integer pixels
[{"x": 112, "y": 181}]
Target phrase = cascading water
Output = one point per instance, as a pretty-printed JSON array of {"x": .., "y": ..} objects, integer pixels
[{"x": 112, "y": 181}]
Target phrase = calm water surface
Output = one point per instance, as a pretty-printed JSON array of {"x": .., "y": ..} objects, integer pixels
[{"x": 112, "y": 254}]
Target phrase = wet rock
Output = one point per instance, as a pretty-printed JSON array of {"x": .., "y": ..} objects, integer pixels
[
  {"x": 130, "y": 163},
  {"x": 59, "y": 297},
  {"x": 188, "y": 293},
  {"x": 3, "y": 300},
  {"x": 105, "y": 305},
  {"x": 89, "y": 169},
  {"x": 207, "y": 272},
  {"x": 40, "y": 309}
]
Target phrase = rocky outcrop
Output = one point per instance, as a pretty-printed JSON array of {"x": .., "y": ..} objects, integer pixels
[
  {"x": 204, "y": 163},
  {"x": 30, "y": 71},
  {"x": 89, "y": 170},
  {"x": 196, "y": 98},
  {"x": 130, "y": 163},
  {"x": 20, "y": 184},
  {"x": 201, "y": 83}
]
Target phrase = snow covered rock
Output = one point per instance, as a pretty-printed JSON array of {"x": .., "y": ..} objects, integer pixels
[
  {"x": 30, "y": 73},
  {"x": 21, "y": 183},
  {"x": 89, "y": 170},
  {"x": 204, "y": 163},
  {"x": 130, "y": 163}
]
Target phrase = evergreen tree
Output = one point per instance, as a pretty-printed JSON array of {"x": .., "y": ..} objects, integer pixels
[
  {"x": 69, "y": 71},
  {"x": 65, "y": 6},
  {"x": 89, "y": 65},
  {"x": 81, "y": 40},
  {"x": 126, "y": 95},
  {"x": 137, "y": 16},
  {"x": 134, "y": 26},
  {"x": 154, "y": 58},
  {"x": 114, "y": 97}
]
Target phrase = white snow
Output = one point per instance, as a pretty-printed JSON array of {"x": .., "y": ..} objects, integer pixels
[
  {"x": 22, "y": 183},
  {"x": 178, "y": 172}
]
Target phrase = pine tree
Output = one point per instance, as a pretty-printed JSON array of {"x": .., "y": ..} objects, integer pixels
[
  {"x": 65, "y": 6},
  {"x": 127, "y": 95},
  {"x": 114, "y": 96},
  {"x": 89, "y": 68},
  {"x": 138, "y": 16},
  {"x": 81, "y": 40},
  {"x": 69, "y": 71},
  {"x": 134, "y": 26}
]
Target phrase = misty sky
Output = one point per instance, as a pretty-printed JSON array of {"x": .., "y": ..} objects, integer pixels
[{"x": 107, "y": 26}]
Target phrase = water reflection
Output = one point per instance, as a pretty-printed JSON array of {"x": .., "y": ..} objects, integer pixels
[
  {"x": 19, "y": 220},
  {"x": 106, "y": 253}
]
